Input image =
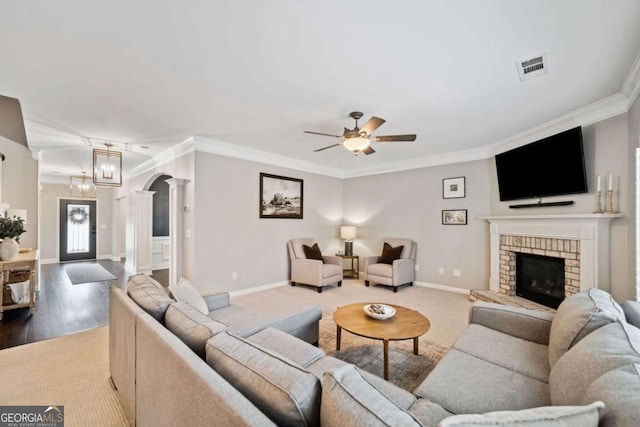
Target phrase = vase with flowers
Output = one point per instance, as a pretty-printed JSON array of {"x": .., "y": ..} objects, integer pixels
[{"x": 10, "y": 231}]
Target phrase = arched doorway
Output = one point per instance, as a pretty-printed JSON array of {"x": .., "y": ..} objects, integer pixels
[
  {"x": 161, "y": 245},
  {"x": 139, "y": 230}
]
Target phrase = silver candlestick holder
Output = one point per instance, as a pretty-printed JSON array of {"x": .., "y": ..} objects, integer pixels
[
  {"x": 610, "y": 202},
  {"x": 598, "y": 203}
]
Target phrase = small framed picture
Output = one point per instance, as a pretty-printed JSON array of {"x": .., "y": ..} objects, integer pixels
[
  {"x": 454, "y": 217},
  {"x": 453, "y": 188},
  {"x": 280, "y": 196}
]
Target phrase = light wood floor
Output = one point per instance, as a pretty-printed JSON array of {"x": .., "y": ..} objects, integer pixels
[{"x": 63, "y": 308}]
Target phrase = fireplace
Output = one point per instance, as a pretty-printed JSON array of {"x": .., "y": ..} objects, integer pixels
[
  {"x": 581, "y": 240},
  {"x": 540, "y": 278}
]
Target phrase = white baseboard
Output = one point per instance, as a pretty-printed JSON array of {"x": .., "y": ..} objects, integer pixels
[
  {"x": 56, "y": 261},
  {"x": 442, "y": 287},
  {"x": 109, "y": 257},
  {"x": 160, "y": 266},
  {"x": 259, "y": 288}
]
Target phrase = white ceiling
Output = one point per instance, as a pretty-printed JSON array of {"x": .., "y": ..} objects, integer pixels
[{"x": 257, "y": 73}]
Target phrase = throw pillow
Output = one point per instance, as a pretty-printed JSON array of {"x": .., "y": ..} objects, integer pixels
[
  {"x": 390, "y": 254},
  {"x": 191, "y": 326},
  {"x": 312, "y": 252},
  {"x": 619, "y": 389},
  {"x": 535, "y": 417},
  {"x": 632, "y": 312},
  {"x": 280, "y": 388},
  {"x": 142, "y": 289},
  {"x": 348, "y": 395},
  {"x": 578, "y": 316},
  {"x": 607, "y": 348},
  {"x": 185, "y": 292}
]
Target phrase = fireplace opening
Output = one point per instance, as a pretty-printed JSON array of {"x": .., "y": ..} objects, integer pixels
[{"x": 540, "y": 278}]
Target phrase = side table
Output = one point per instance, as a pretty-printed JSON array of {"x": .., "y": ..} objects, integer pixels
[
  {"x": 24, "y": 261},
  {"x": 354, "y": 271}
]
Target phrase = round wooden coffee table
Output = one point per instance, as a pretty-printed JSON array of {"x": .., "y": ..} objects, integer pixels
[{"x": 406, "y": 324}]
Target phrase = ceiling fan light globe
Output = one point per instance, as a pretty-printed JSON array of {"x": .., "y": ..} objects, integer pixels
[{"x": 356, "y": 144}]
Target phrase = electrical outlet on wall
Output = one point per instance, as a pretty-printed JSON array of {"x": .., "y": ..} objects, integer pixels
[
  {"x": 234, "y": 275},
  {"x": 441, "y": 270},
  {"x": 457, "y": 272},
  {"x": 417, "y": 267}
]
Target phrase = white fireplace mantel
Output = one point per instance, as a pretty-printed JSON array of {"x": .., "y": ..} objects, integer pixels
[{"x": 592, "y": 230}]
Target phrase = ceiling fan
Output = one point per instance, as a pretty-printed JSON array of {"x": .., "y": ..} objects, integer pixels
[{"x": 359, "y": 140}]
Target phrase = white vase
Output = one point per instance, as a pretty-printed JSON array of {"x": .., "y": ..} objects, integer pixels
[{"x": 9, "y": 249}]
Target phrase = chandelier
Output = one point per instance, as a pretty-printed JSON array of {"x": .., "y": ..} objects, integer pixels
[
  {"x": 107, "y": 167},
  {"x": 81, "y": 186}
]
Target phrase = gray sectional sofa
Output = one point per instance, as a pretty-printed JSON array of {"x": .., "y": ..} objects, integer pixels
[{"x": 251, "y": 362}]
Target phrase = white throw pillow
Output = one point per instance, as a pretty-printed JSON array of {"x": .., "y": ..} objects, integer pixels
[
  {"x": 547, "y": 416},
  {"x": 185, "y": 292}
]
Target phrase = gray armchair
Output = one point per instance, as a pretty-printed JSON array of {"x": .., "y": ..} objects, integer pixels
[
  {"x": 400, "y": 272},
  {"x": 313, "y": 272}
]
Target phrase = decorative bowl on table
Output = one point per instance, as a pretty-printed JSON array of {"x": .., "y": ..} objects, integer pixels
[{"x": 379, "y": 311}]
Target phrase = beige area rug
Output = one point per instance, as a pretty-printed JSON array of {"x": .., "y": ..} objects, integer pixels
[
  {"x": 406, "y": 370},
  {"x": 71, "y": 371}
]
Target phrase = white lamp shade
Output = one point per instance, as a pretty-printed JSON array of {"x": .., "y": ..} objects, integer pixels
[
  {"x": 348, "y": 232},
  {"x": 356, "y": 144}
]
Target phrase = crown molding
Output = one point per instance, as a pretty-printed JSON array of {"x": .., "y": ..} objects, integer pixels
[
  {"x": 596, "y": 112},
  {"x": 631, "y": 85},
  {"x": 226, "y": 149},
  {"x": 166, "y": 156},
  {"x": 422, "y": 162}
]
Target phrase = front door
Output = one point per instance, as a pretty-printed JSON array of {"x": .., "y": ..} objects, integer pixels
[{"x": 77, "y": 230}]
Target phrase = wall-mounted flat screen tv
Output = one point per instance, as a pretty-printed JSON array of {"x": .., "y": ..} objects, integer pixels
[{"x": 553, "y": 166}]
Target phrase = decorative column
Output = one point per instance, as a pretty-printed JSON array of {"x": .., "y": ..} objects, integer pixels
[
  {"x": 177, "y": 210},
  {"x": 1, "y": 161},
  {"x": 139, "y": 231}
]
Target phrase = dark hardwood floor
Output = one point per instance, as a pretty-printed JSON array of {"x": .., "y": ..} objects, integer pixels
[{"x": 63, "y": 308}]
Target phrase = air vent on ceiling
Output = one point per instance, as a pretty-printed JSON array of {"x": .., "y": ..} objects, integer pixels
[{"x": 533, "y": 67}]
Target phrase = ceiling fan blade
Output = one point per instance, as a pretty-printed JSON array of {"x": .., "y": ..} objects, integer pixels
[
  {"x": 327, "y": 147},
  {"x": 390, "y": 138},
  {"x": 373, "y": 124},
  {"x": 368, "y": 150},
  {"x": 322, "y": 134}
]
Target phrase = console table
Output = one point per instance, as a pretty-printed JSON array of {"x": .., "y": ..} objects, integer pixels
[
  {"x": 354, "y": 271},
  {"x": 24, "y": 261}
]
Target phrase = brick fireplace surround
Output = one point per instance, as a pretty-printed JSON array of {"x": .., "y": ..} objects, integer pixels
[
  {"x": 567, "y": 249},
  {"x": 581, "y": 239}
]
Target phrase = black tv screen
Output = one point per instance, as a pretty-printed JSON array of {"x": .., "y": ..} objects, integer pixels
[{"x": 553, "y": 166}]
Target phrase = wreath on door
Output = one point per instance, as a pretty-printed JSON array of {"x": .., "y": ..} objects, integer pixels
[{"x": 78, "y": 216}]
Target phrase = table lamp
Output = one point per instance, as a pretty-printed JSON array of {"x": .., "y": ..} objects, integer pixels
[{"x": 348, "y": 233}]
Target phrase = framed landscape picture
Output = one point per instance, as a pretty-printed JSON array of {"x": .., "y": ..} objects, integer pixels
[
  {"x": 453, "y": 188},
  {"x": 280, "y": 196},
  {"x": 454, "y": 217}
]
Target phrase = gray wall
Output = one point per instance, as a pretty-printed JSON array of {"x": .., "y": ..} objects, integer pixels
[
  {"x": 49, "y": 226},
  {"x": 11, "y": 121},
  {"x": 230, "y": 236},
  {"x": 634, "y": 142},
  {"x": 20, "y": 186},
  {"x": 409, "y": 204}
]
